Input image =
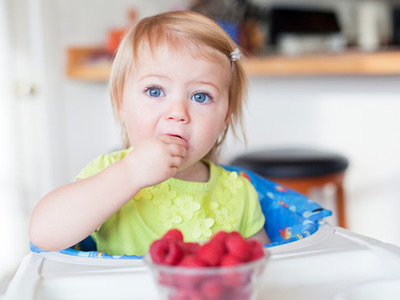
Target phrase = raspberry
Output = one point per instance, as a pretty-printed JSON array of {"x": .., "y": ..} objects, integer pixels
[
  {"x": 167, "y": 280},
  {"x": 229, "y": 260},
  {"x": 211, "y": 253},
  {"x": 213, "y": 288},
  {"x": 186, "y": 294},
  {"x": 166, "y": 252},
  {"x": 220, "y": 236},
  {"x": 233, "y": 279},
  {"x": 191, "y": 261},
  {"x": 188, "y": 280},
  {"x": 190, "y": 248},
  {"x": 237, "y": 246},
  {"x": 237, "y": 279},
  {"x": 173, "y": 234},
  {"x": 256, "y": 249}
]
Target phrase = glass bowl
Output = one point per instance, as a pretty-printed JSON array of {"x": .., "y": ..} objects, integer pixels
[{"x": 238, "y": 282}]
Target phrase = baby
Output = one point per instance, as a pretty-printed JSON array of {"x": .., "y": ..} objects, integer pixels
[{"x": 177, "y": 87}]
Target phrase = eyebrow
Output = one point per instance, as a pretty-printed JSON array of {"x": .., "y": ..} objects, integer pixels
[
  {"x": 154, "y": 75},
  {"x": 169, "y": 79},
  {"x": 209, "y": 83}
]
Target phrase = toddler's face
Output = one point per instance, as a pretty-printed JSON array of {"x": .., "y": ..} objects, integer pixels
[{"x": 171, "y": 92}]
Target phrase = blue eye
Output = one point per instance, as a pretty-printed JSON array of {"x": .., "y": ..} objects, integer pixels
[
  {"x": 201, "y": 98},
  {"x": 155, "y": 92}
]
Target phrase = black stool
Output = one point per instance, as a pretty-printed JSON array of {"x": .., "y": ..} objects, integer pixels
[{"x": 301, "y": 170}]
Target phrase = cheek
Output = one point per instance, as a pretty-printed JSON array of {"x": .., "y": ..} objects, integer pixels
[
  {"x": 213, "y": 128},
  {"x": 134, "y": 122}
]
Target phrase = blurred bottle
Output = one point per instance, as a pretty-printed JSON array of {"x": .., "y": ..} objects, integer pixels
[
  {"x": 116, "y": 35},
  {"x": 241, "y": 19},
  {"x": 373, "y": 25}
]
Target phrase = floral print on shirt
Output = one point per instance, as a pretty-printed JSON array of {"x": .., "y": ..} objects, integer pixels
[{"x": 204, "y": 213}]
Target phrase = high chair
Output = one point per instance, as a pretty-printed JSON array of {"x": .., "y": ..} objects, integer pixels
[
  {"x": 308, "y": 259},
  {"x": 302, "y": 170}
]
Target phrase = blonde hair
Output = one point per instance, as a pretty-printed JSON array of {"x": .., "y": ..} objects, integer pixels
[{"x": 196, "y": 33}]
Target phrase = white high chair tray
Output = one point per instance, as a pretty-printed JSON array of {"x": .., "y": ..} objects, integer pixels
[{"x": 333, "y": 263}]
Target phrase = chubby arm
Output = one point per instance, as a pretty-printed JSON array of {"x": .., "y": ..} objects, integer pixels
[
  {"x": 71, "y": 212},
  {"x": 262, "y": 237}
]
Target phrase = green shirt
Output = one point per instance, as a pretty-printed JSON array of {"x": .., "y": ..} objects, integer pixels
[{"x": 199, "y": 209}]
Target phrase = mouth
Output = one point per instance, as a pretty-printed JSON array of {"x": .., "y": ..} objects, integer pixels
[{"x": 177, "y": 135}]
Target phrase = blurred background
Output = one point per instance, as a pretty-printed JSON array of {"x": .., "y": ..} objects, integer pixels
[{"x": 323, "y": 74}]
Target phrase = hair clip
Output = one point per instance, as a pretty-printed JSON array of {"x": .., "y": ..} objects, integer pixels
[{"x": 235, "y": 55}]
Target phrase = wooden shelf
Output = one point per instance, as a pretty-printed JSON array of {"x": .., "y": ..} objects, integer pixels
[
  {"x": 94, "y": 64},
  {"x": 350, "y": 63}
]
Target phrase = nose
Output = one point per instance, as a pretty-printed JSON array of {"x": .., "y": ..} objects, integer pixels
[{"x": 178, "y": 111}]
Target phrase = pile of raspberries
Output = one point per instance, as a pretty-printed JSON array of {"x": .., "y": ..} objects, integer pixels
[{"x": 224, "y": 249}]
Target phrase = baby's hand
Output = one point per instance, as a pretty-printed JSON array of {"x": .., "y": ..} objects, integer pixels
[{"x": 156, "y": 159}]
